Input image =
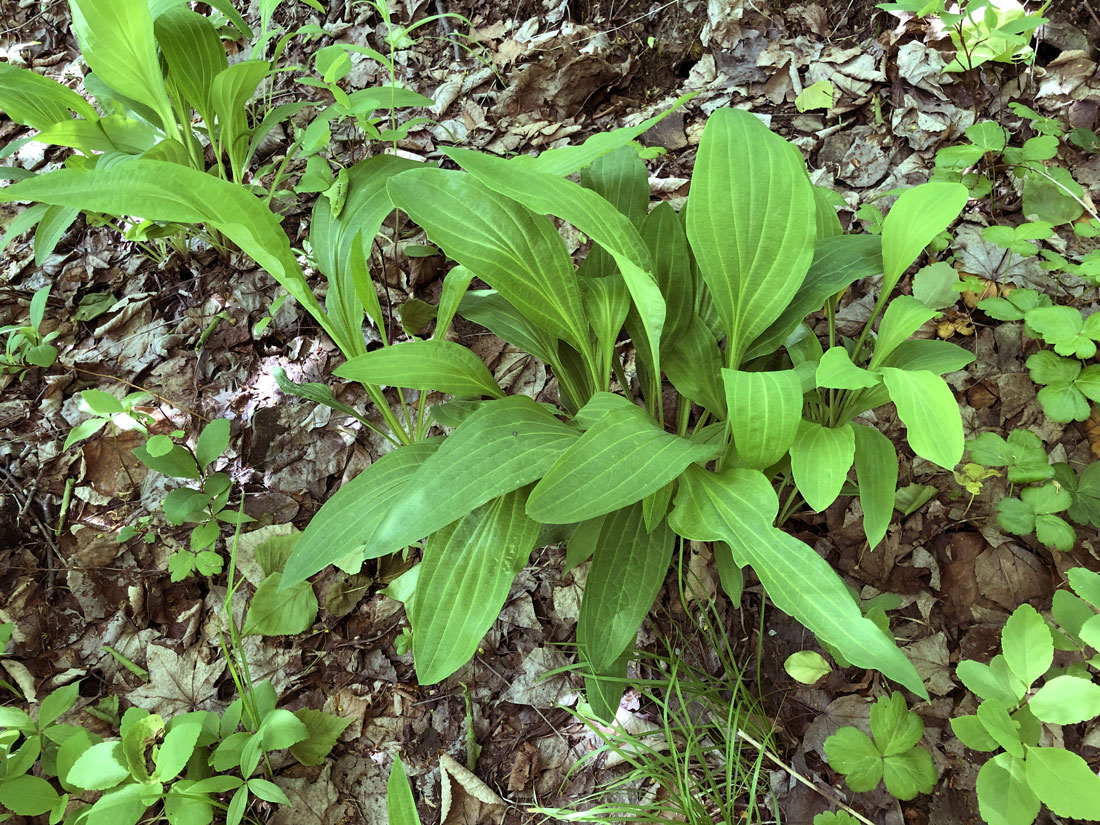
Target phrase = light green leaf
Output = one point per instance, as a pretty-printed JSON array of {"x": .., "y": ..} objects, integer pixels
[
  {"x": 324, "y": 730},
  {"x": 341, "y": 245},
  {"x": 1066, "y": 700},
  {"x": 441, "y": 366},
  {"x": 628, "y": 568},
  {"x": 455, "y": 284},
  {"x": 1027, "y": 644},
  {"x": 27, "y": 795},
  {"x": 663, "y": 232},
  {"x": 930, "y": 413},
  {"x": 917, "y": 216},
  {"x": 281, "y": 729},
  {"x": 971, "y": 732},
  {"x": 807, "y": 666},
  {"x": 285, "y": 612},
  {"x": 158, "y": 190},
  {"x": 100, "y": 767},
  {"x": 852, "y": 753},
  {"x": 992, "y": 681},
  {"x": 693, "y": 363},
  {"x": 1004, "y": 796},
  {"x": 903, "y": 317},
  {"x": 36, "y": 101},
  {"x": 622, "y": 458},
  {"x": 212, "y": 441},
  {"x": 122, "y": 806},
  {"x": 1064, "y": 782},
  {"x": 466, "y": 573},
  {"x": 999, "y": 725},
  {"x": 835, "y": 370},
  {"x": 877, "y": 475},
  {"x": 117, "y": 42},
  {"x": 515, "y": 251},
  {"x": 934, "y": 285},
  {"x": 895, "y": 727},
  {"x": 193, "y": 52},
  {"x": 738, "y": 507},
  {"x": 764, "y": 412},
  {"x": 819, "y": 95},
  {"x": 820, "y": 460},
  {"x": 175, "y": 751},
  {"x": 545, "y": 193},
  {"x": 400, "y": 805},
  {"x": 346, "y": 521},
  {"x": 908, "y": 774},
  {"x": 751, "y": 224},
  {"x": 502, "y": 446}
]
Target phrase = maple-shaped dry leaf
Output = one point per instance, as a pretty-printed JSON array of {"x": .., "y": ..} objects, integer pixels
[{"x": 177, "y": 684}]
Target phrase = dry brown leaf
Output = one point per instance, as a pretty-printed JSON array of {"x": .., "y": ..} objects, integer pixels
[{"x": 177, "y": 684}]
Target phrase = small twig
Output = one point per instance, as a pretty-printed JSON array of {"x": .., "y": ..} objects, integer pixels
[
  {"x": 1088, "y": 8},
  {"x": 833, "y": 799},
  {"x": 448, "y": 31}
]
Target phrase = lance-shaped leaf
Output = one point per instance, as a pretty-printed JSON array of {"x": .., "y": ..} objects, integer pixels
[
  {"x": 341, "y": 244},
  {"x": 467, "y": 570},
  {"x": 500, "y": 447},
  {"x": 902, "y": 318},
  {"x": 162, "y": 191},
  {"x": 117, "y": 42},
  {"x": 593, "y": 215},
  {"x": 877, "y": 475},
  {"x": 738, "y": 506},
  {"x": 36, "y": 101},
  {"x": 751, "y": 224},
  {"x": 619, "y": 177},
  {"x": 693, "y": 363},
  {"x": 194, "y": 54},
  {"x": 628, "y": 568},
  {"x": 488, "y": 308},
  {"x": 442, "y": 366},
  {"x": 838, "y": 262},
  {"x": 622, "y": 458},
  {"x": 820, "y": 460},
  {"x": 346, "y": 521},
  {"x": 515, "y": 251},
  {"x": 917, "y": 216},
  {"x": 663, "y": 232},
  {"x": 764, "y": 411},
  {"x": 930, "y": 413}
]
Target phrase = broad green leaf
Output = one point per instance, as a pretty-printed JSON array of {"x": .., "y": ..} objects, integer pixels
[
  {"x": 176, "y": 463},
  {"x": 400, "y": 805},
  {"x": 100, "y": 767},
  {"x": 835, "y": 370},
  {"x": 902, "y": 318},
  {"x": 122, "y": 806},
  {"x": 807, "y": 666},
  {"x": 738, "y": 506},
  {"x": 1064, "y": 782},
  {"x": 442, "y": 366},
  {"x": 161, "y": 191},
  {"x": 764, "y": 411},
  {"x": 55, "y": 222},
  {"x": 36, "y": 101},
  {"x": 929, "y": 354},
  {"x": 117, "y": 42},
  {"x": 1004, "y": 796},
  {"x": 621, "y": 459},
  {"x": 545, "y": 193},
  {"x": 1086, "y": 584},
  {"x": 233, "y": 87},
  {"x": 281, "y": 729},
  {"x": 324, "y": 730},
  {"x": 628, "y": 568},
  {"x": 998, "y": 724},
  {"x": 820, "y": 460},
  {"x": 620, "y": 177},
  {"x": 895, "y": 727},
  {"x": 908, "y": 774},
  {"x": 917, "y": 216},
  {"x": 175, "y": 751},
  {"x": 502, "y": 446},
  {"x": 212, "y": 441},
  {"x": 604, "y": 688},
  {"x": 466, "y": 573},
  {"x": 992, "y": 681},
  {"x": 1027, "y": 644},
  {"x": 268, "y": 791},
  {"x": 877, "y": 475},
  {"x": 751, "y": 224},
  {"x": 934, "y": 285},
  {"x": 489, "y": 308},
  {"x": 971, "y": 732},
  {"x": 193, "y": 52},
  {"x": 1066, "y": 700},
  {"x": 280, "y": 612},
  {"x": 347, "y": 520},
  {"x": 663, "y": 232},
  {"x": 837, "y": 263},
  {"x": 852, "y": 753},
  {"x": 27, "y": 795},
  {"x": 930, "y": 413},
  {"x": 515, "y": 251},
  {"x": 693, "y": 363}
]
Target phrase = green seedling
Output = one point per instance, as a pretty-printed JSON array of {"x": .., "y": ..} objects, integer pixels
[
  {"x": 25, "y": 346},
  {"x": 893, "y": 756},
  {"x": 121, "y": 415}
]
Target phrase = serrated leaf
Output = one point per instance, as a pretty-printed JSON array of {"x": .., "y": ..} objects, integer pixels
[
  {"x": 895, "y": 728},
  {"x": 908, "y": 774},
  {"x": 275, "y": 612},
  {"x": 852, "y": 753},
  {"x": 324, "y": 731}
]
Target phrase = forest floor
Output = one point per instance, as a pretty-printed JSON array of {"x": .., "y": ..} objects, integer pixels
[{"x": 182, "y": 330}]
